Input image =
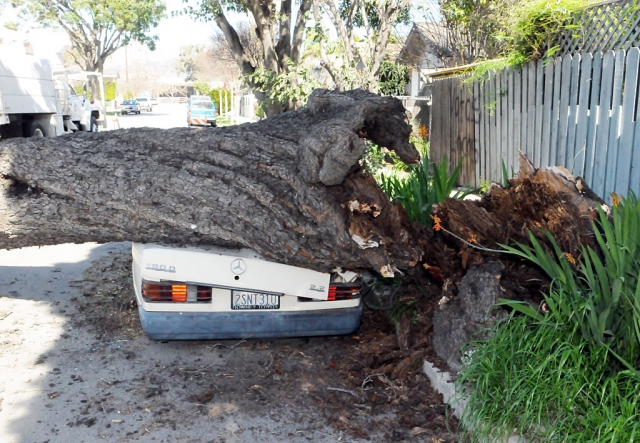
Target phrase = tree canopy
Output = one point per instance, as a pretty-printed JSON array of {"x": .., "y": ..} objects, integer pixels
[
  {"x": 97, "y": 28},
  {"x": 282, "y": 29}
]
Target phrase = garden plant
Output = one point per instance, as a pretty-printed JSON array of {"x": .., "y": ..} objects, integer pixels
[{"x": 567, "y": 370}]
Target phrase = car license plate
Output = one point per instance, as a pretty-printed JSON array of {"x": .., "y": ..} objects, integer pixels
[{"x": 254, "y": 300}]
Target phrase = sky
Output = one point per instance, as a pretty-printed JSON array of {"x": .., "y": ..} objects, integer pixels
[{"x": 173, "y": 33}]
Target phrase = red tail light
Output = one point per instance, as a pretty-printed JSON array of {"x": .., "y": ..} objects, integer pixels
[
  {"x": 174, "y": 292},
  {"x": 344, "y": 291}
]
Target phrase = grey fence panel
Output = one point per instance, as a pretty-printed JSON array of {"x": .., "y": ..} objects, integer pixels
[
  {"x": 531, "y": 110},
  {"x": 547, "y": 115},
  {"x": 555, "y": 110},
  {"x": 635, "y": 160},
  {"x": 524, "y": 109},
  {"x": 594, "y": 100},
  {"x": 575, "y": 155},
  {"x": 518, "y": 96},
  {"x": 503, "y": 128},
  {"x": 482, "y": 123},
  {"x": 578, "y": 111},
  {"x": 539, "y": 95},
  {"x": 479, "y": 132},
  {"x": 485, "y": 114},
  {"x": 604, "y": 121},
  {"x": 614, "y": 134},
  {"x": 627, "y": 122},
  {"x": 504, "y": 101},
  {"x": 511, "y": 92},
  {"x": 564, "y": 110},
  {"x": 494, "y": 151}
]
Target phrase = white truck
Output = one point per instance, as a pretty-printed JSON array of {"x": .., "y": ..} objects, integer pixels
[{"x": 38, "y": 101}]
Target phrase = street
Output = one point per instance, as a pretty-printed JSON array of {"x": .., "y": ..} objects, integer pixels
[{"x": 164, "y": 115}]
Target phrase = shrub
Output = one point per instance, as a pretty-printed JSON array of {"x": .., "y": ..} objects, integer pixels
[
  {"x": 110, "y": 91},
  {"x": 419, "y": 187}
]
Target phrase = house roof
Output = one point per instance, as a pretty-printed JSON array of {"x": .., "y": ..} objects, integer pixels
[{"x": 425, "y": 37}]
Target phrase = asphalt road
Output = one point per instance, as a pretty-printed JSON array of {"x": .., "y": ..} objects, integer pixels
[{"x": 165, "y": 115}]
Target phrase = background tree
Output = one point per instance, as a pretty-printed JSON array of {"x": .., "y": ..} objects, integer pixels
[
  {"x": 465, "y": 31},
  {"x": 97, "y": 29},
  {"x": 280, "y": 30},
  {"x": 11, "y": 26},
  {"x": 364, "y": 28},
  {"x": 393, "y": 78},
  {"x": 187, "y": 61}
]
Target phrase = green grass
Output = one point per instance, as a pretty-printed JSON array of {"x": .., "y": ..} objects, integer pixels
[
  {"x": 224, "y": 121},
  {"x": 545, "y": 382}
]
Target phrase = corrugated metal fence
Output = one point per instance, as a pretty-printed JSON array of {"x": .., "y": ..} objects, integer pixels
[{"x": 578, "y": 111}]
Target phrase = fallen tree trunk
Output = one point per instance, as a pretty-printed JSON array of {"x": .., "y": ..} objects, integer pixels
[{"x": 290, "y": 187}]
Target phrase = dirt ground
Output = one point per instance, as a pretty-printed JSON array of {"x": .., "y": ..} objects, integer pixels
[{"x": 101, "y": 378}]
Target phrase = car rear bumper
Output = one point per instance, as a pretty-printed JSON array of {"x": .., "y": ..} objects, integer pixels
[
  {"x": 201, "y": 121},
  {"x": 227, "y": 325}
]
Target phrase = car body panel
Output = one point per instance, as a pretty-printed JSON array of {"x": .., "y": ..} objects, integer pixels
[
  {"x": 201, "y": 111},
  {"x": 129, "y": 107},
  {"x": 227, "y": 325},
  {"x": 216, "y": 268},
  {"x": 303, "y": 308},
  {"x": 144, "y": 104}
]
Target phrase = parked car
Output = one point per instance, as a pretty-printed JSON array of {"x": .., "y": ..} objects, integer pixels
[
  {"x": 201, "y": 111},
  {"x": 144, "y": 103},
  {"x": 129, "y": 107},
  {"x": 188, "y": 293},
  {"x": 154, "y": 101}
]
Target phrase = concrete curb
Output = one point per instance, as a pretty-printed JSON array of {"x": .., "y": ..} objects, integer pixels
[{"x": 441, "y": 382}]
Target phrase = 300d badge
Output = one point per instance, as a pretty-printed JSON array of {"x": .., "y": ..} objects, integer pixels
[{"x": 160, "y": 268}]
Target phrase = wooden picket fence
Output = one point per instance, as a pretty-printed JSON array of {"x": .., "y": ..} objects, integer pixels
[
  {"x": 454, "y": 114},
  {"x": 577, "y": 111}
]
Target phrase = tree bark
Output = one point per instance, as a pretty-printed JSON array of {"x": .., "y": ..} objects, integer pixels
[{"x": 290, "y": 187}]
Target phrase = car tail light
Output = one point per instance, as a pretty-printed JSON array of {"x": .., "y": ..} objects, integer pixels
[
  {"x": 173, "y": 292},
  {"x": 339, "y": 291},
  {"x": 92, "y": 101},
  {"x": 344, "y": 291}
]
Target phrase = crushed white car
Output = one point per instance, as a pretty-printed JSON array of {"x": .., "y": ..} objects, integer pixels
[{"x": 189, "y": 293}]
